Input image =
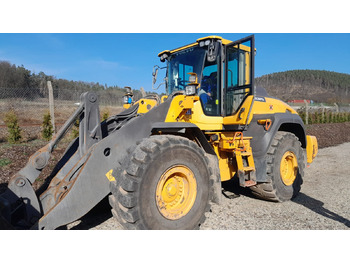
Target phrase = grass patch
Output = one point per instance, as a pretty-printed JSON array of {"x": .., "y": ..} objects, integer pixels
[{"x": 4, "y": 162}]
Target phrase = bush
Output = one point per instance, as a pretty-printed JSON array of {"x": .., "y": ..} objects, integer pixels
[
  {"x": 105, "y": 115},
  {"x": 75, "y": 129},
  {"x": 47, "y": 128},
  {"x": 13, "y": 128},
  {"x": 326, "y": 117}
]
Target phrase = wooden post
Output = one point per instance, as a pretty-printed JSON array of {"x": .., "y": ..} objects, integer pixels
[
  {"x": 51, "y": 104},
  {"x": 306, "y": 113},
  {"x": 336, "y": 107},
  {"x": 323, "y": 117}
]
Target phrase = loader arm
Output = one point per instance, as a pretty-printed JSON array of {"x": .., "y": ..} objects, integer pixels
[
  {"x": 19, "y": 204},
  {"x": 79, "y": 181}
]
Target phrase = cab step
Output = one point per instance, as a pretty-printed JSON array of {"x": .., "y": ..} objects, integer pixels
[{"x": 246, "y": 167}]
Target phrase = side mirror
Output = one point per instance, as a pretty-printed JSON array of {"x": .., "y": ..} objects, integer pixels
[
  {"x": 213, "y": 49},
  {"x": 155, "y": 73}
]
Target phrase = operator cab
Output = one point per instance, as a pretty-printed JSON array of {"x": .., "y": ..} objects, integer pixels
[{"x": 224, "y": 71}]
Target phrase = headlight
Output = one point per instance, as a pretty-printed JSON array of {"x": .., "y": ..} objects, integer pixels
[
  {"x": 190, "y": 90},
  {"x": 192, "y": 78},
  {"x": 126, "y": 99}
]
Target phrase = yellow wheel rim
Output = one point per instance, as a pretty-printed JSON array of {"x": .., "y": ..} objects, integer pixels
[
  {"x": 289, "y": 168},
  {"x": 176, "y": 192}
]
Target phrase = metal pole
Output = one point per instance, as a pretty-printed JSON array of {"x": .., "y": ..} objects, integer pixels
[{"x": 51, "y": 104}]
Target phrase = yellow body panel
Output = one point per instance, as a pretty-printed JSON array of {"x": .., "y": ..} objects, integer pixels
[
  {"x": 311, "y": 148},
  {"x": 180, "y": 106},
  {"x": 237, "y": 118},
  {"x": 205, "y": 122},
  {"x": 226, "y": 169},
  {"x": 270, "y": 106},
  {"x": 145, "y": 105}
]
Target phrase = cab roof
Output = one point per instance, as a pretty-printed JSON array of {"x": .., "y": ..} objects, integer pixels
[{"x": 224, "y": 42}]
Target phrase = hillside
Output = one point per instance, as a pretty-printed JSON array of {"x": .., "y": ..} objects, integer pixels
[
  {"x": 16, "y": 80},
  {"x": 318, "y": 85}
]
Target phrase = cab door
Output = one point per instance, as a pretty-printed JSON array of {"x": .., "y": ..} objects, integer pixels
[{"x": 239, "y": 81}]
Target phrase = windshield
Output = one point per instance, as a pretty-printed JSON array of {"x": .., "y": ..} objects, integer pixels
[{"x": 182, "y": 63}]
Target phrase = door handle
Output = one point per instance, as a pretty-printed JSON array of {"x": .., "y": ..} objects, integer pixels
[{"x": 241, "y": 112}]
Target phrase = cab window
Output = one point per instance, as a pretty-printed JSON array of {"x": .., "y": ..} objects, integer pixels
[
  {"x": 209, "y": 92},
  {"x": 237, "y": 71}
]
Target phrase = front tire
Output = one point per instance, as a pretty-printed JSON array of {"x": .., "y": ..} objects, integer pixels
[
  {"x": 164, "y": 183},
  {"x": 285, "y": 169}
]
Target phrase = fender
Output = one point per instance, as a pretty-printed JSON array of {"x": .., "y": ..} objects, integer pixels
[{"x": 262, "y": 138}]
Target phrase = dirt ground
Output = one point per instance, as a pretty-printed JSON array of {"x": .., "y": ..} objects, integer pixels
[{"x": 15, "y": 157}]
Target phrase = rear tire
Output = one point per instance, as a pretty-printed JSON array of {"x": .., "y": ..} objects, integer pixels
[
  {"x": 165, "y": 183},
  {"x": 285, "y": 169}
]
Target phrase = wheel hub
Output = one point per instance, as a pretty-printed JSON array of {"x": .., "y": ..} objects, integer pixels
[
  {"x": 176, "y": 192},
  {"x": 288, "y": 168}
]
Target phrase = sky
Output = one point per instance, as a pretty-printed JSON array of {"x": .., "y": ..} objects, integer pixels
[{"x": 127, "y": 59}]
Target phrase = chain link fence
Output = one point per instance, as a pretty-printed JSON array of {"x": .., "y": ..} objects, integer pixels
[{"x": 30, "y": 106}]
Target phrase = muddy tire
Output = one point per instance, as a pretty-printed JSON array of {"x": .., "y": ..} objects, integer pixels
[
  {"x": 285, "y": 169},
  {"x": 164, "y": 183}
]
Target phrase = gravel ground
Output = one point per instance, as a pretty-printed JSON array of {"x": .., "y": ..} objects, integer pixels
[{"x": 321, "y": 204}]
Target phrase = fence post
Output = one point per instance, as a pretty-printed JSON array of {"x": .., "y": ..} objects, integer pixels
[
  {"x": 306, "y": 113},
  {"x": 322, "y": 105},
  {"x": 51, "y": 105},
  {"x": 336, "y": 107}
]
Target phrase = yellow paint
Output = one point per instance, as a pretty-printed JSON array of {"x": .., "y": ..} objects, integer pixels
[
  {"x": 203, "y": 121},
  {"x": 288, "y": 168},
  {"x": 230, "y": 148},
  {"x": 227, "y": 170},
  {"x": 271, "y": 106},
  {"x": 177, "y": 49},
  {"x": 127, "y": 106},
  {"x": 145, "y": 105},
  {"x": 238, "y": 118},
  {"x": 109, "y": 175},
  {"x": 162, "y": 100},
  {"x": 176, "y": 192},
  {"x": 178, "y": 108},
  {"x": 311, "y": 148}
]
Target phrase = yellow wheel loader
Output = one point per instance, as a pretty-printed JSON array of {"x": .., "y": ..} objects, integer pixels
[{"x": 161, "y": 162}]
